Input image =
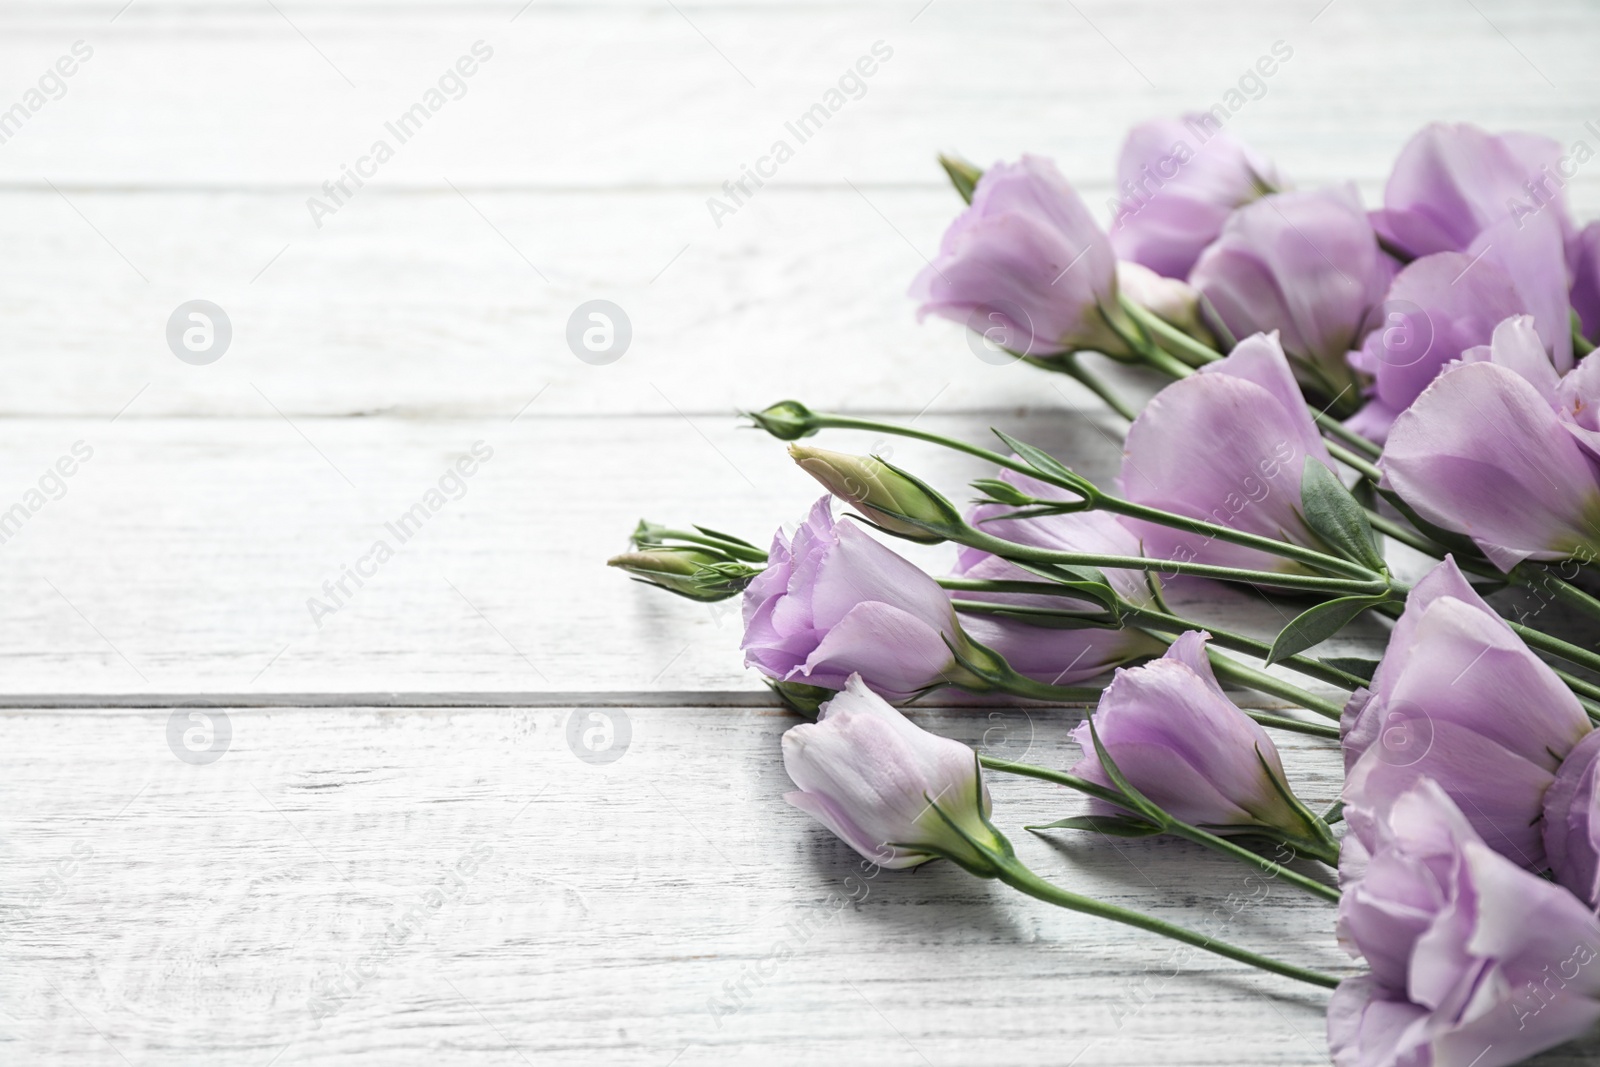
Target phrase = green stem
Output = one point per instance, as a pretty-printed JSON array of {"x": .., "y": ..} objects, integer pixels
[
  {"x": 1286, "y": 549},
  {"x": 1236, "y": 642},
  {"x": 1539, "y": 577},
  {"x": 1233, "y": 671},
  {"x": 1014, "y": 874},
  {"x": 1354, "y": 462},
  {"x": 1556, "y": 647},
  {"x": 1179, "y": 829},
  {"x": 1580, "y": 344},
  {"x": 1070, "y": 366},
  {"x": 1334, "y": 428},
  {"x": 742, "y": 552},
  {"x": 1021, "y": 686},
  {"x": 1396, "y": 532},
  {"x": 1162, "y": 331},
  {"x": 1117, "y": 505},
  {"x": 1158, "y": 623},
  {"x": 1158, "y": 358},
  {"x": 1027, "y": 553}
]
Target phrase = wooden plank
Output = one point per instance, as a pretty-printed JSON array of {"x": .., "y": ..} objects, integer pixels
[
  {"x": 416, "y": 306},
  {"x": 201, "y": 911},
  {"x": 184, "y": 554},
  {"x": 176, "y": 92}
]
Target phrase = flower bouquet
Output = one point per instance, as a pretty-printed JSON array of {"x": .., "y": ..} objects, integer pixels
[{"x": 1339, "y": 382}]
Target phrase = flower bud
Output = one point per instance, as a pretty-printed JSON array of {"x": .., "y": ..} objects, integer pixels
[
  {"x": 891, "y": 499},
  {"x": 834, "y": 601},
  {"x": 895, "y": 793},
  {"x": 963, "y": 175},
  {"x": 698, "y": 574},
  {"x": 1181, "y": 742},
  {"x": 1028, "y": 260},
  {"x": 787, "y": 420}
]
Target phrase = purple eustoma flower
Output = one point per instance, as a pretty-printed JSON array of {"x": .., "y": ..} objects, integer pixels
[
  {"x": 1305, "y": 264},
  {"x": 1500, "y": 449},
  {"x": 1179, "y": 740},
  {"x": 1226, "y": 445},
  {"x": 1177, "y": 183},
  {"x": 1572, "y": 821},
  {"x": 1460, "y": 699},
  {"x": 1583, "y": 256},
  {"x": 1451, "y": 183},
  {"x": 1027, "y": 265},
  {"x": 870, "y": 775},
  {"x": 1475, "y": 962},
  {"x": 1457, "y": 188},
  {"x": 833, "y": 602},
  {"x": 1437, "y": 307}
]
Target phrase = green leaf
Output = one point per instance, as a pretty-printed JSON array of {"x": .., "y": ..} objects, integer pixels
[
  {"x": 1131, "y": 797},
  {"x": 1113, "y": 825},
  {"x": 1315, "y": 625},
  {"x": 963, "y": 175},
  {"x": 1087, "y": 582},
  {"x": 1051, "y": 469},
  {"x": 1336, "y": 516},
  {"x": 719, "y": 536},
  {"x": 1000, "y": 492}
]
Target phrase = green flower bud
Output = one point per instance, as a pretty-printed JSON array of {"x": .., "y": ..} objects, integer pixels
[
  {"x": 963, "y": 175},
  {"x": 886, "y": 496},
  {"x": 690, "y": 572},
  {"x": 787, "y": 420}
]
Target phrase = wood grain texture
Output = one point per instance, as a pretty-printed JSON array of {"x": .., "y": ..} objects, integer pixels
[
  {"x": 157, "y": 911},
  {"x": 184, "y": 555},
  {"x": 611, "y": 906},
  {"x": 444, "y": 286},
  {"x": 665, "y": 904}
]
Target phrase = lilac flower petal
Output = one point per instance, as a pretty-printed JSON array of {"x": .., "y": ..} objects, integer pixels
[{"x": 1482, "y": 454}]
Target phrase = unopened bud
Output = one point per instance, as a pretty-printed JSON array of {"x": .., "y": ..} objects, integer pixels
[{"x": 888, "y": 497}]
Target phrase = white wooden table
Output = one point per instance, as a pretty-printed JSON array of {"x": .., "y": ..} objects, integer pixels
[{"x": 408, "y": 850}]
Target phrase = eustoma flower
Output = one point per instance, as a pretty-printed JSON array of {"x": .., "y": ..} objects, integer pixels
[
  {"x": 1178, "y": 181},
  {"x": 833, "y": 602},
  {"x": 1583, "y": 252},
  {"x": 1027, "y": 265},
  {"x": 1460, "y": 699},
  {"x": 1257, "y": 436},
  {"x": 1437, "y": 307},
  {"x": 1572, "y": 821},
  {"x": 887, "y": 788},
  {"x": 1176, "y": 738},
  {"x": 1046, "y": 654},
  {"x": 1451, "y": 183},
  {"x": 1457, "y": 188},
  {"x": 1305, "y": 264},
  {"x": 1475, "y": 962},
  {"x": 1499, "y": 450}
]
